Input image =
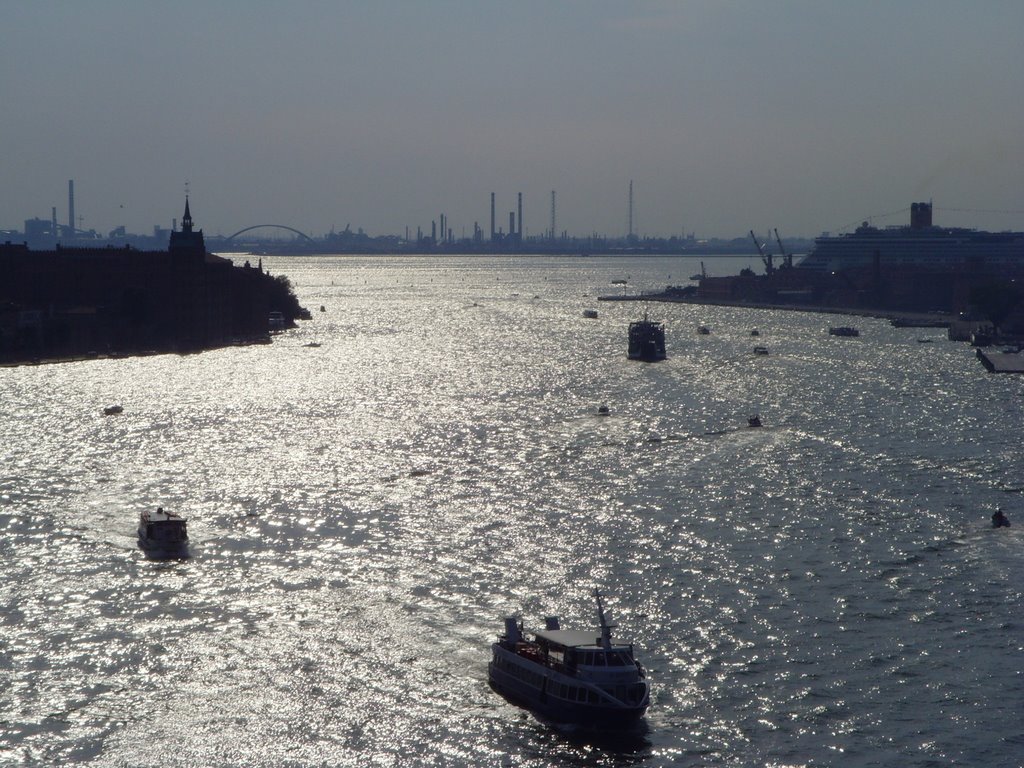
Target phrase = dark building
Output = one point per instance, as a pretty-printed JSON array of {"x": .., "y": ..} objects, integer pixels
[{"x": 69, "y": 302}]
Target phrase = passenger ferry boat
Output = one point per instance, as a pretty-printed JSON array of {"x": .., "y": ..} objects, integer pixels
[
  {"x": 163, "y": 533},
  {"x": 569, "y": 676},
  {"x": 646, "y": 340}
]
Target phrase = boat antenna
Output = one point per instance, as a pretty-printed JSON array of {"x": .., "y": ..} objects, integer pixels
[{"x": 606, "y": 628}]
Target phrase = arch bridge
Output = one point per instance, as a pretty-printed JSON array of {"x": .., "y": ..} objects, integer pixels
[{"x": 303, "y": 235}]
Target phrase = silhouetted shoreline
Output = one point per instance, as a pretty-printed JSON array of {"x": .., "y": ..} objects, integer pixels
[{"x": 88, "y": 303}]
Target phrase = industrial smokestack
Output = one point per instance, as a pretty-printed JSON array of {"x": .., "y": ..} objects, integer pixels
[
  {"x": 71, "y": 206},
  {"x": 552, "y": 214},
  {"x": 520, "y": 216},
  {"x": 631, "y": 209},
  {"x": 492, "y": 217},
  {"x": 511, "y": 224}
]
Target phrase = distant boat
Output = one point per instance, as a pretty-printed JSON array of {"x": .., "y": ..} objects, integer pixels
[
  {"x": 754, "y": 420},
  {"x": 755, "y": 332},
  {"x": 573, "y": 677},
  {"x": 603, "y": 411},
  {"x": 703, "y": 330},
  {"x": 619, "y": 282},
  {"x": 112, "y": 410},
  {"x": 843, "y": 330},
  {"x": 163, "y": 533},
  {"x": 590, "y": 314},
  {"x": 760, "y": 350},
  {"x": 646, "y": 340}
]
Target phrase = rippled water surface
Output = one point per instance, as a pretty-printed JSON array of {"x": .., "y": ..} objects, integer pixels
[{"x": 825, "y": 590}]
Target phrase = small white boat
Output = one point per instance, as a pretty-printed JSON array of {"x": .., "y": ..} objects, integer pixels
[
  {"x": 571, "y": 676},
  {"x": 163, "y": 533}
]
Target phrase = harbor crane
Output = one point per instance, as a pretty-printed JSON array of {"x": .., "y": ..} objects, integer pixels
[
  {"x": 787, "y": 258},
  {"x": 769, "y": 268}
]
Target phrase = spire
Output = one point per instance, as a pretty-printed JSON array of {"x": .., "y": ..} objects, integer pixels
[{"x": 186, "y": 221}]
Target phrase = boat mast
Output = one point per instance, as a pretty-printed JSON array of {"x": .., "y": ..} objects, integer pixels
[{"x": 606, "y": 628}]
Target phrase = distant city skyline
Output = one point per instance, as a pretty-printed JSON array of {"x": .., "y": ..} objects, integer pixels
[{"x": 726, "y": 117}]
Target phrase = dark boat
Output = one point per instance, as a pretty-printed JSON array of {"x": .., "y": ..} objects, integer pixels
[
  {"x": 754, "y": 420},
  {"x": 579, "y": 678},
  {"x": 843, "y": 330},
  {"x": 646, "y": 340},
  {"x": 163, "y": 534}
]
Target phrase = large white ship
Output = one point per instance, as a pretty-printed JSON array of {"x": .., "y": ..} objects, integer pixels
[{"x": 920, "y": 245}]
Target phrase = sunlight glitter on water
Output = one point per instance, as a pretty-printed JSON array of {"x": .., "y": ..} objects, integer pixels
[{"x": 364, "y": 513}]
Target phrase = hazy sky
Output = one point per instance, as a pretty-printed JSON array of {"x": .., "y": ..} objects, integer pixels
[{"x": 806, "y": 115}]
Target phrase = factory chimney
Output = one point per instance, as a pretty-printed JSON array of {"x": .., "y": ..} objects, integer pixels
[
  {"x": 71, "y": 207},
  {"x": 511, "y": 225},
  {"x": 520, "y": 217},
  {"x": 553, "y": 214},
  {"x": 630, "y": 209},
  {"x": 492, "y": 217}
]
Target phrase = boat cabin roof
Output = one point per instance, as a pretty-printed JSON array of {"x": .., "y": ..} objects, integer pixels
[
  {"x": 154, "y": 516},
  {"x": 573, "y": 638}
]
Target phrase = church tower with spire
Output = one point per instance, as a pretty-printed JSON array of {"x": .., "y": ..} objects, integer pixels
[{"x": 187, "y": 240}]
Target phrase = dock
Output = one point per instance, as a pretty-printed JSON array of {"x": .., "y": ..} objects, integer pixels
[{"x": 1001, "y": 362}]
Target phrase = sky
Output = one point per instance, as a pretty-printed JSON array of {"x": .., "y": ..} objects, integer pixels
[{"x": 727, "y": 115}]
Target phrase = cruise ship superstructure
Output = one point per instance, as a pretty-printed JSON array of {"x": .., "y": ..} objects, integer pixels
[{"x": 920, "y": 245}]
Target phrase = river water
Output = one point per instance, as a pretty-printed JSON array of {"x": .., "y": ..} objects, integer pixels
[{"x": 825, "y": 590}]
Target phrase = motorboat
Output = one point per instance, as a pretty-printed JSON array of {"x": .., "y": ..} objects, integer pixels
[
  {"x": 843, "y": 330},
  {"x": 112, "y": 410},
  {"x": 574, "y": 677},
  {"x": 754, "y": 420},
  {"x": 754, "y": 332},
  {"x": 646, "y": 340},
  {"x": 760, "y": 350},
  {"x": 163, "y": 533},
  {"x": 603, "y": 411},
  {"x": 703, "y": 330},
  {"x": 590, "y": 314}
]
